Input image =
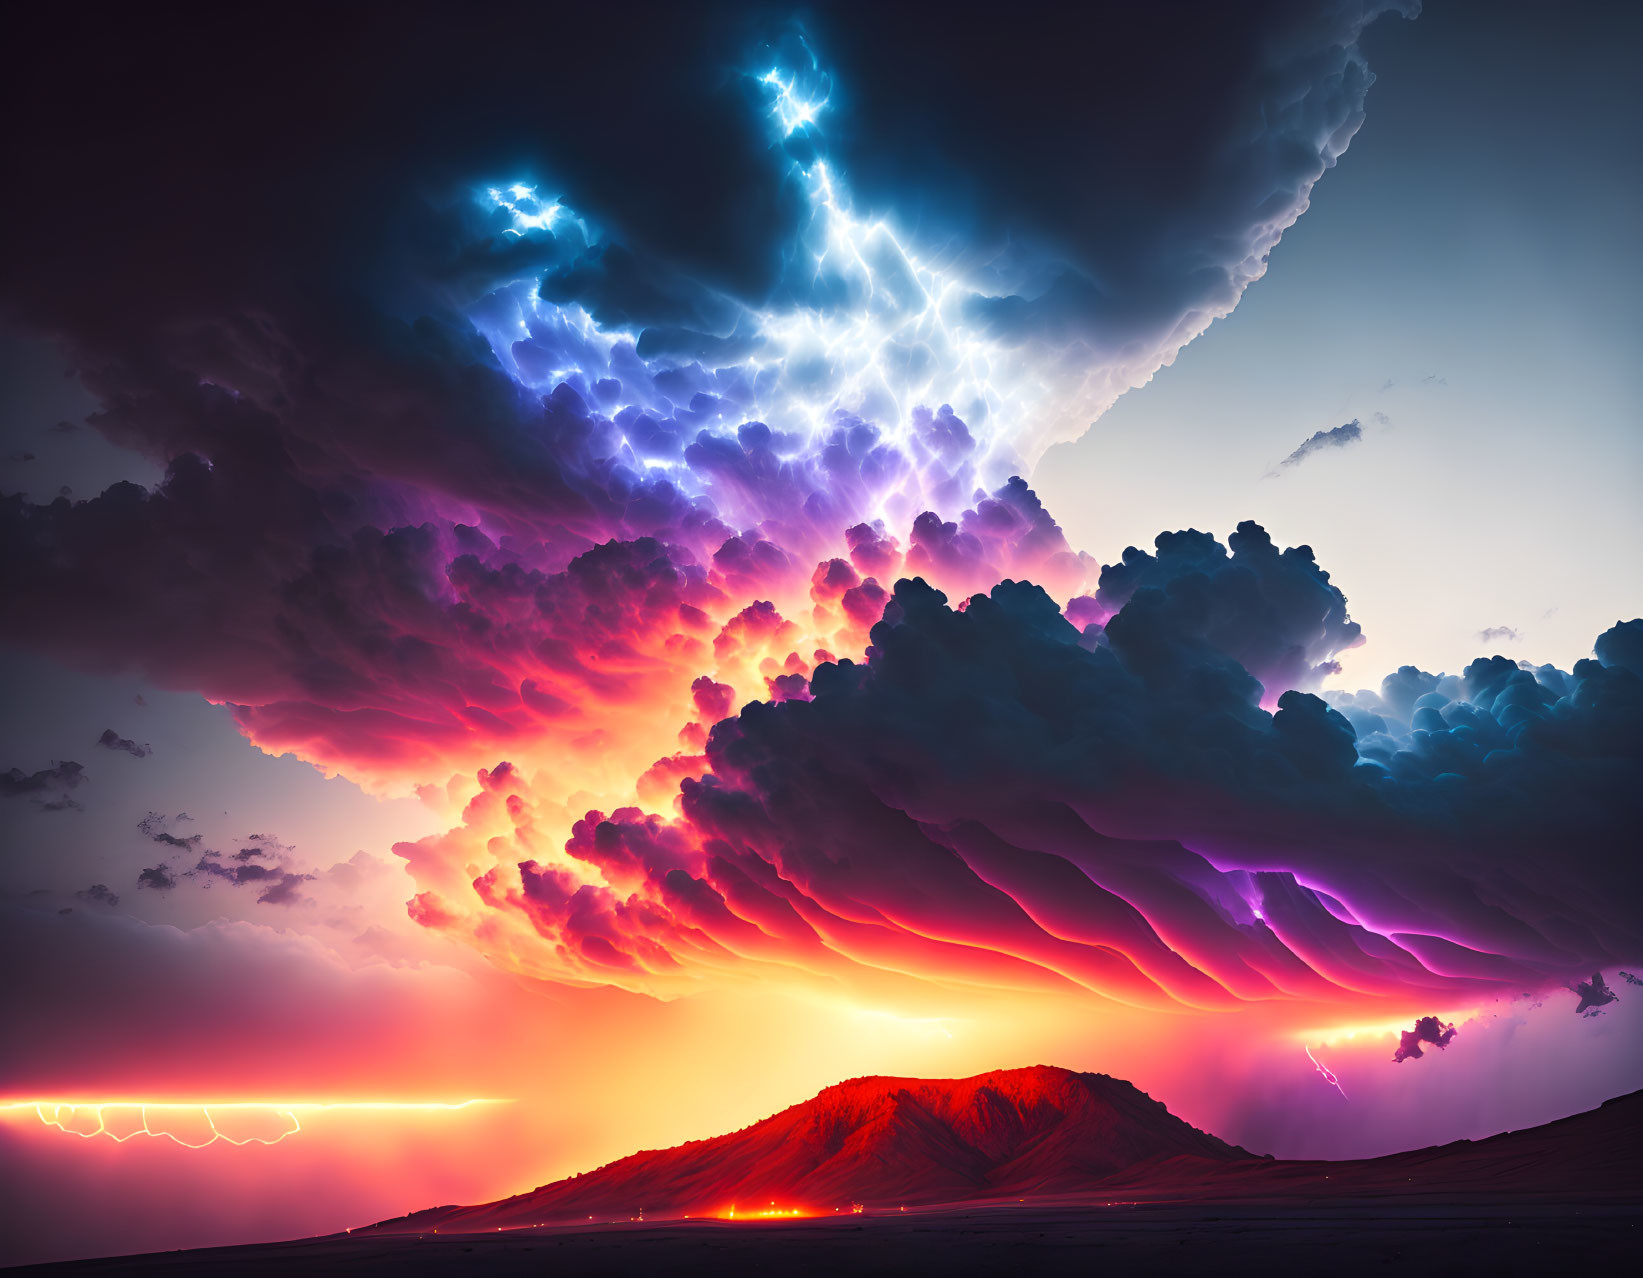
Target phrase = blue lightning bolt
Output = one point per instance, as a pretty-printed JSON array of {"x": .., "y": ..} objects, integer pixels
[{"x": 879, "y": 332}]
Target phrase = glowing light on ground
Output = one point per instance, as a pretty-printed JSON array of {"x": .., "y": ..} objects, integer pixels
[
  {"x": 120, "y": 1120},
  {"x": 772, "y": 1212}
]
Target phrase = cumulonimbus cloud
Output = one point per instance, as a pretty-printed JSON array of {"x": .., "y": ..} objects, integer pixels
[
  {"x": 996, "y": 796},
  {"x": 708, "y": 517}
]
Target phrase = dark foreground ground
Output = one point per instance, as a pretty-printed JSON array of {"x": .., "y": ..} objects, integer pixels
[{"x": 1333, "y": 1239}]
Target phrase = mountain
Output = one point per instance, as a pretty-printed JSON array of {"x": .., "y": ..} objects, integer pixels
[
  {"x": 882, "y": 1142},
  {"x": 1589, "y": 1157},
  {"x": 1044, "y": 1133}
]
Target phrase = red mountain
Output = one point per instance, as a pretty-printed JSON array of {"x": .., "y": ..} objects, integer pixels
[
  {"x": 1044, "y": 1133},
  {"x": 881, "y": 1142}
]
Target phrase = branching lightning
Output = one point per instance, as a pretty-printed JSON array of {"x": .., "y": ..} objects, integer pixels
[
  {"x": 793, "y": 110},
  {"x": 63, "y": 1116},
  {"x": 867, "y": 328},
  {"x": 66, "y": 1116}
]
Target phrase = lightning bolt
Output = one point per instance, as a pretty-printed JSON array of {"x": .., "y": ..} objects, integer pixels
[
  {"x": 903, "y": 337},
  {"x": 61, "y": 1116},
  {"x": 1329, "y": 1074},
  {"x": 65, "y": 1116},
  {"x": 792, "y": 108}
]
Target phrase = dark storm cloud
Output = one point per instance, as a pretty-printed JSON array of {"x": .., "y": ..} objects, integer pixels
[
  {"x": 289, "y": 341},
  {"x": 1260, "y": 97},
  {"x": 100, "y": 893},
  {"x": 1292, "y": 90},
  {"x": 1274, "y": 612},
  {"x": 260, "y": 864},
  {"x": 278, "y": 886},
  {"x": 153, "y": 826},
  {"x": 210, "y": 867},
  {"x": 1429, "y": 1031},
  {"x": 45, "y": 788},
  {"x": 112, "y": 740},
  {"x": 1005, "y": 690},
  {"x": 1321, "y": 441},
  {"x": 267, "y": 295},
  {"x": 1594, "y": 994},
  {"x": 60, "y": 776},
  {"x": 1622, "y": 645},
  {"x": 159, "y": 877},
  {"x": 988, "y": 763},
  {"x": 1212, "y": 126}
]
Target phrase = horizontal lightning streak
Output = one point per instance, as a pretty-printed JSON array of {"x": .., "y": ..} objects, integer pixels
[{"x": 62, "y": 1114}]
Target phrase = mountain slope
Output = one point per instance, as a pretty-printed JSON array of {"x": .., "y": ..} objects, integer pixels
[
  {"x": 881, "y": 1141},
  {"x": 1589, "y": 1157},
  {"x": 1045, "y": 1133}
]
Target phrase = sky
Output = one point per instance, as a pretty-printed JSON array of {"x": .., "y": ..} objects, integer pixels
[
  {"x": 1465, "y": 290},
  {"x": 567, "y": 593}
]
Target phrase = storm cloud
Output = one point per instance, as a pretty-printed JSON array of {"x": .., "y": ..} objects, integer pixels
[
  {"x": 45, "y": 788},
  {"x": 112, "y": 740},
  {"x": 1012, "y": 799},
  {"x": 463, "y": 387},
  {"x": 159, "y": 877},
  {"x": 698, "y": 508},
  {"x": 1429, "y": 1031},
  {"x": 1594, "y": 994}
]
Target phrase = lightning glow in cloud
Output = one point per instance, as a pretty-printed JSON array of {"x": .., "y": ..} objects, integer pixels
[
  {"x": 792, "y": 109},
  {"x": 873, "y": 335}
]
